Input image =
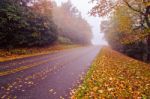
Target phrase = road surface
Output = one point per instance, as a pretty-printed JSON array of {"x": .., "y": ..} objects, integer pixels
[{"x": 50, "y": 76}]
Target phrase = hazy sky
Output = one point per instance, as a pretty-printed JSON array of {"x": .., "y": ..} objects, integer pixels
[{"x": 85, "y": 7}]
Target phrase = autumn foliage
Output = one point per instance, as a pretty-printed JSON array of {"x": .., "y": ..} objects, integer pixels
[{"x": 127, "y": 27}]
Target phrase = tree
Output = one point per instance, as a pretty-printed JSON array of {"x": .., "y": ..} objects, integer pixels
[
  {"x": 127, "y": 29},
  {"x": 142, "y": 7},
  {"x": 22, "y": 26}
]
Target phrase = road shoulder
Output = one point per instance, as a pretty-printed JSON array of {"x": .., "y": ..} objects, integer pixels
[
  {"x": 29, "y": 52},
  {"x": 113, "y": 75}
]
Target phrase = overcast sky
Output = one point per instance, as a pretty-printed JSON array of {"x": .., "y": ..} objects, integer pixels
[{"x": 85, "y": 7}]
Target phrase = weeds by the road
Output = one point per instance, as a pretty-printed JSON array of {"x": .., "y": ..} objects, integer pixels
[
  {"x": 113, "y": 76},
  {"x": 6, "y": 55}
]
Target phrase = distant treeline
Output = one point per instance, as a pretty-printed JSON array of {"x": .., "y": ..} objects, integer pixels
[
  {"x": 71, "y": 24},
  {"x": 28, "y": 23}
]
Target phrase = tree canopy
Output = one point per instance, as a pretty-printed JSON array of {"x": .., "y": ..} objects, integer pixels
[
  {"x": 105, "y": 7},
  {"x": 127, "y": 28},
  {"x": 22, "y": 25}
]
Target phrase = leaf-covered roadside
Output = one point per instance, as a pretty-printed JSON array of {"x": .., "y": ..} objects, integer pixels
[
  {"x": 6, "y": 55},
  {"x": 114, "y": 75}
]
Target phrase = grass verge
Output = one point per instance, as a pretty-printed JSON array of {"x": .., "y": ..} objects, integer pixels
[
  {"x": 7, "y": 55},
  {"x": 115, "y": 76}
]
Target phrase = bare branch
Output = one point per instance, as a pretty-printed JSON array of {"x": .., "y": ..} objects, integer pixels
[{"x": 127, "y": 3}]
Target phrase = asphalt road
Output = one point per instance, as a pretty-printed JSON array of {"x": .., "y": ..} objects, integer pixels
[{"x": 50, "y": 76}]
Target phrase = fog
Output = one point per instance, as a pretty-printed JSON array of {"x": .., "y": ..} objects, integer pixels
[
  {"x": 71, "y": 24},
  {"x": 84, "y": 7}
]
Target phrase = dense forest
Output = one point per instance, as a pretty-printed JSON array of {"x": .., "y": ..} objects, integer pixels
[
  {"x": 22, "y": 24},
  {"x": 127, "y": 28},
  {"x": 29, "y": 23}
]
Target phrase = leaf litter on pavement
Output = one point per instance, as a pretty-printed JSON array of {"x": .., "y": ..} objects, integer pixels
[{"x": 114, "y": 75}]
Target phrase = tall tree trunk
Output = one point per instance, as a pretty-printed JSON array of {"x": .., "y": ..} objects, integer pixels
[
  {"x": 146, "y": 51},
  {"x": 147, "y": 13}
]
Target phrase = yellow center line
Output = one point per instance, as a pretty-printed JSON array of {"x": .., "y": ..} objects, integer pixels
[
  {"x": 8, "y": 72},
  {"x": 14, "y": 64},
  {"x": 61, "y": 64},
  {"x": 12, "y": 71}
]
